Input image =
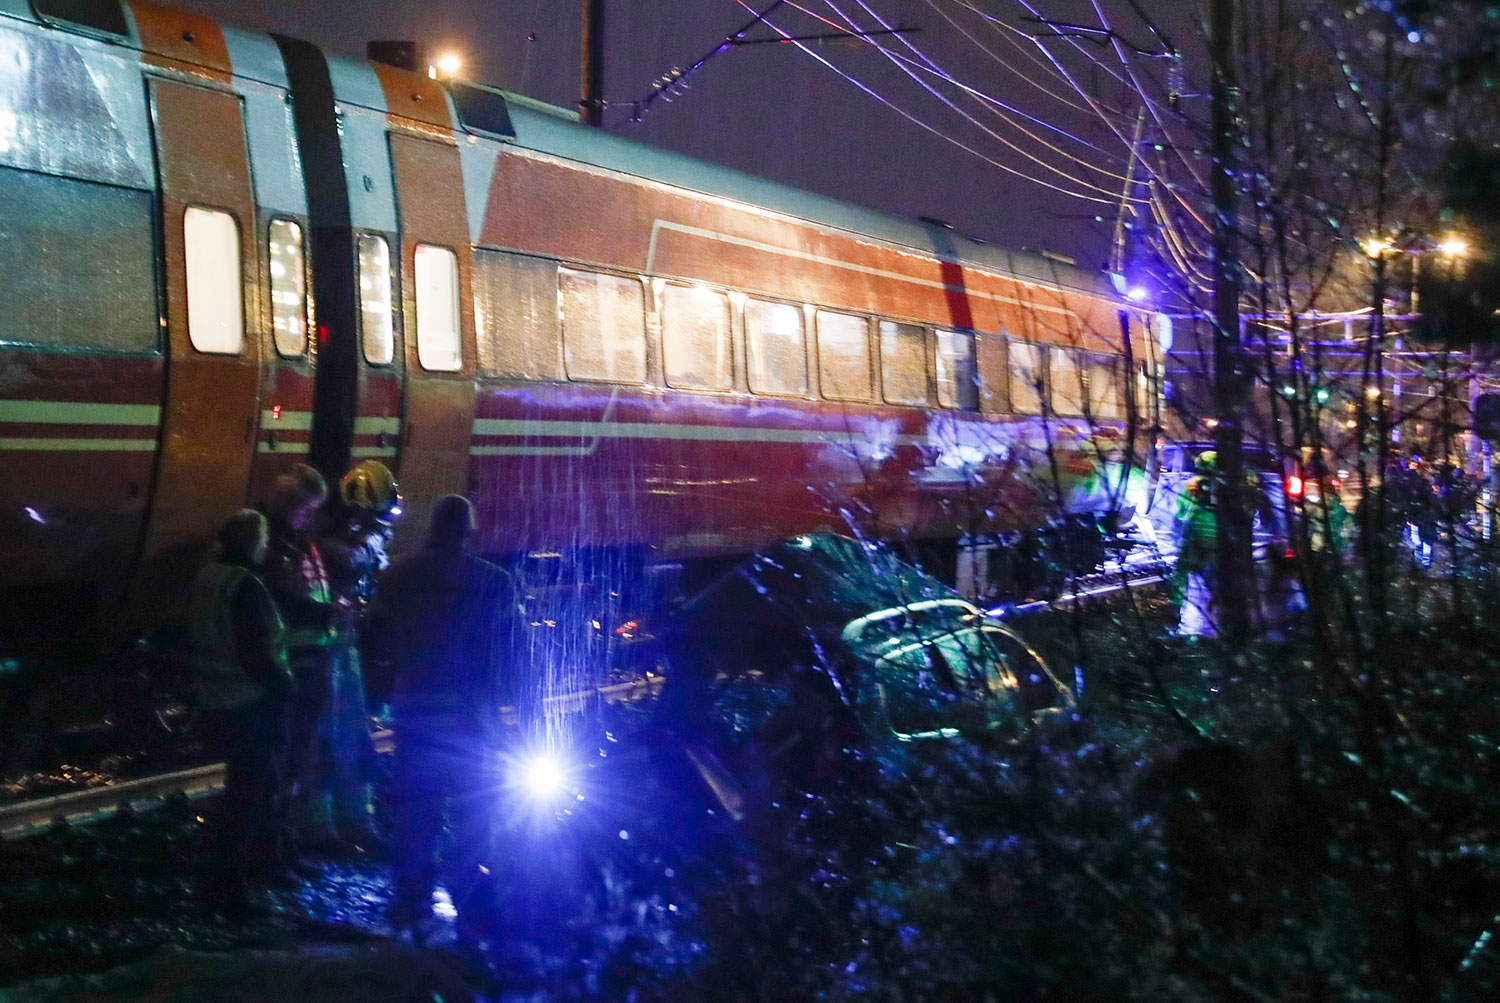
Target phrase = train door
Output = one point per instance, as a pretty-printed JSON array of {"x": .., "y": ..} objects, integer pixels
[
  {"x": 436, "y": 264},
  {"x": 209, "y": 416}
]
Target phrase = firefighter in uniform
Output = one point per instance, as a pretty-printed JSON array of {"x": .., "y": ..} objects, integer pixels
[
  {"x": 353, "y": 546},
  {"x": 298, "y": 580},
  {"x": 1197, "y": 550}
]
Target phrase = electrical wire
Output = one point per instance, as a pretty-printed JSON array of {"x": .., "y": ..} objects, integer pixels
[
  {"x": 1136, "y": 85},
  {"x": 905, "y": 66},
  {"x": 1008, "y": 33},
  {"x": 926, "y": 126},
  {"x": 978, "y": 94}
]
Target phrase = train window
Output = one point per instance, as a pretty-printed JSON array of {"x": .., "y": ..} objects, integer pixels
[
  {"x": 515, "y": 302},
  {"x": 377, "y": 332},
  {"x": 695, "y": 337},
  {"x": 1067, "y": 382},
  {"x": 1026, "y": 378},
  {"x": 1105, "y": 401},
  {"x": 844, "y": 356},
  {"x": 215, "y": 304},
  {"x": 776, "y": 348},
  {"x": 957, "y": 375},
  {"x": 903, "y": 363},
  {"x": 440, "y": 346},
  {"x": 604, "y": 327},
  {"x": 100, "y": 18},
  {"x": 77, "y": 264},
  {"x": 288, "y": 288}
]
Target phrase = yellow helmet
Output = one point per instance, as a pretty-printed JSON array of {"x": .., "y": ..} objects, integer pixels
[{"x": 370, "y": 487}]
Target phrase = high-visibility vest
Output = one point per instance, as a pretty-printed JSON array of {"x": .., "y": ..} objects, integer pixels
[{"x": 219, "y": 680}]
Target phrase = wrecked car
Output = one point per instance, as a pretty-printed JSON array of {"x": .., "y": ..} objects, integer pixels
[{"x": 823, "y": 649}]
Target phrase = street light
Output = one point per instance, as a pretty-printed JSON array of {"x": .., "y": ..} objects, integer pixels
[
  {"x": 1453, "y": 246},
  {"x": 446, "y": 67}
]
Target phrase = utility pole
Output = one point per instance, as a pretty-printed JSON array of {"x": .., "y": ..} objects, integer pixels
[
  {"x": 591, "y": 64},
  {"x": 1235, "y": 586}
]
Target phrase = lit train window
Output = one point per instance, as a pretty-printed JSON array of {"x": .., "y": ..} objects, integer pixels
[
  {"x": 695, "y": 338},
  {"x": 215, "y": 307},
  {"x": 440, "y": 346},
  {"x": 377, "y": 332},
  {"x": 1105, "y": 401},
  {"x": 1067, "y": 382},
  {"x": 77, "y": 264},
  {"x": 604, "y": 327},
  {"x": 288, "y": 288},
  {"x": 515, "y": 307},
  {"x": 903, "y": 363},
  {"x": 776, "y": 348},
  {"x": 957, "y": 376},
  {"x": 844, "y": 356},
  {"x": 1026, "y": 378}
]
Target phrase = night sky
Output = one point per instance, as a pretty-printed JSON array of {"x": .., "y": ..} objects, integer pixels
[{"x": 775, "y": 111}]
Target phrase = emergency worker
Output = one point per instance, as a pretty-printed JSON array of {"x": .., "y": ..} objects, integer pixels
[
  {"x": 241, "y": 686},
  {"x": 1328, "y": 524},
  {"x": 1197, "y": 549},
  {"x": 298, "y": 581},
  {"x": 357, "y": 528},
  {"x": 451, "y": 618}
]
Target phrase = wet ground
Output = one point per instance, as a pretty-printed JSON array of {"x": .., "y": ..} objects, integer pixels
[{"x": 113, "y": 911}]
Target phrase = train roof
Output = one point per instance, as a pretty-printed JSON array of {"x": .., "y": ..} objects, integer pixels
[{"x": 543, "y": 128}]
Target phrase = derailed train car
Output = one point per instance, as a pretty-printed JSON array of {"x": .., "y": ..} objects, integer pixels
[{"x": 224, "y": 253}]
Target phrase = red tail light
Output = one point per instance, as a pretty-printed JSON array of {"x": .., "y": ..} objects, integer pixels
[{"x": 1294, "y": 486}]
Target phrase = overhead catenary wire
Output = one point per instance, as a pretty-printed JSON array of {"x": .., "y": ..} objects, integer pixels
[
  {"x": 928, "y": 66},
  {"x": 905, "y": 66},
  {"x": 1023, "y": 44},
  {"x": 927, "y": 126},
  {"x": 1060, "y": 71}
]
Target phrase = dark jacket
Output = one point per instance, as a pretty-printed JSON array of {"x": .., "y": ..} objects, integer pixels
[
  {"x": 235, "y": 638},
  {"x": 298, "y": 581},
  {"x": 449, "y": 619}
]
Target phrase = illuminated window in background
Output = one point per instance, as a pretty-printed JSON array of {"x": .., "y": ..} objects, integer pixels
[
  {"x": 844, "y": 356},
  {"x": 903, "y": 363},
  {"x": 1025, "y": 378},
  {"x": 695, "y": 338},
  {"x": 439, "y": 332},
  {"x": 604, "y": 327},
  {"x": 377, "y": 333},
  {"x": 776, "y": 348},
  {"x": 1105, "y": 400},
  {"x": 1067, "y": 382},
  {"x": 288, "y": 288},
  {"x": 215, "y": 306},
  {"x": 515, "y": 306},
  {"x": 957, "y": 376}
]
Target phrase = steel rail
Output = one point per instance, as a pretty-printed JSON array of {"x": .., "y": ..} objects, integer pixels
[{"x": 27, "y": 818}]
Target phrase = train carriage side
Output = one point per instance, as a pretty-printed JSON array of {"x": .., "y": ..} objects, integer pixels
[
  {"x": 81, "y": 360},
  {"x": 698, "y": 375},
  {"x": 156, "y": 285}
]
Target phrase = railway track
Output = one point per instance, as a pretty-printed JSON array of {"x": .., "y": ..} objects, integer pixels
[
  {"x": 27, "y": 818},
  {"x": 83, "y": 807}
]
